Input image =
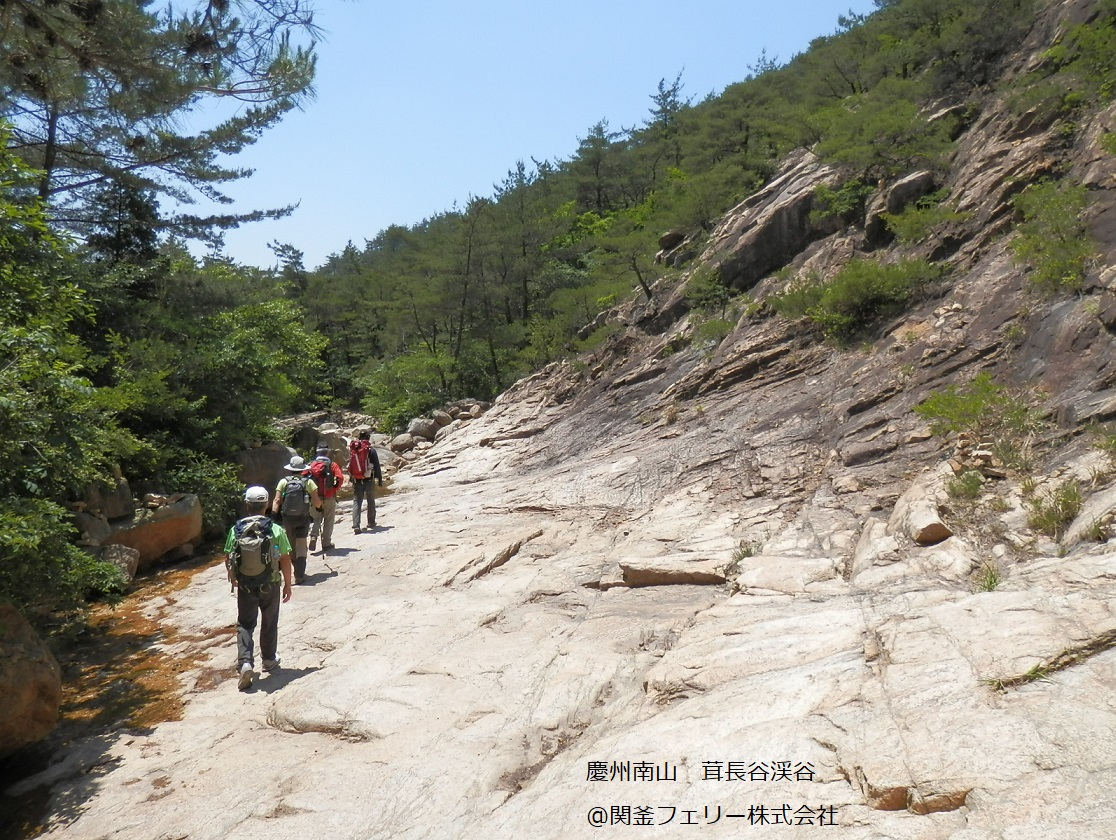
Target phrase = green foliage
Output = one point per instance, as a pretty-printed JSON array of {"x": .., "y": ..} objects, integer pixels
[
  {"x": 501, "y": 275},
  {"x": 965, "y": 486},
  {"x": 1054, "y": 510},
  {"x": 41, "y": 569},
  {"x": 97, "y": 92},
  {"x": 406, "y": 386},
  {"x": 988, "y": 577},
  {"x": 713, "y": 331},
  {"x": 1052, "y": 237},
  {"x": 858, "y": 296},
  {"x": 1083, "y": 62},
  {"x": 845, "y": 203},
  {"x": 706, "y": 293},
  {"x": 883, "y": 133},
  {"x": 55, "y": 435},
  {"x": 216, "y": 484},
  {"x": 917, "y": 222},
  {"x": 1104, "y": 438},
  {"x": 980, "y": 408}
]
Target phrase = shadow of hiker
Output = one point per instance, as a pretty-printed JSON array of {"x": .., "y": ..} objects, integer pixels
[
  {"x": 317, "y": 577},
  {"x": 341, "y": 552},
  {"x": 281, "y": 678}
]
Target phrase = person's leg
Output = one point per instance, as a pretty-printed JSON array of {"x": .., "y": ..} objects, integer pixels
[
  {"x": 328, "y": 514},
  {"x": 371, "y": 504},
  {"x": 269, "y": 622},
  {"x": 358, "y": 499},
  {"x": 316, "y": 527},
  {"x": 247, "y": 605},
  {"x": 296, "y": 533}
]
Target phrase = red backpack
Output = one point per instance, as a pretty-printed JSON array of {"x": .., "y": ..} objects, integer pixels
[
  {"x": 322, "y": 473},
  {"x": 359, "y": 466}
]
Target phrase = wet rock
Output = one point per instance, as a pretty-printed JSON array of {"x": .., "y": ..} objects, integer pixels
[{"x": 30, "y": 684}]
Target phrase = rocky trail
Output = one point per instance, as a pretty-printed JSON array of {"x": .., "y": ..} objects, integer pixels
[
  {"x": 686, "y": 586},
  {"x": 532, "y": 646}
]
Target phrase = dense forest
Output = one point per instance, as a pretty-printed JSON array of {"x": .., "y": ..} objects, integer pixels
[{"x": 122, "y": 348}]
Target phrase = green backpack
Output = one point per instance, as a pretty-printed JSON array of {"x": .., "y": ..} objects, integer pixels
[{"x": 252, "y": 561}]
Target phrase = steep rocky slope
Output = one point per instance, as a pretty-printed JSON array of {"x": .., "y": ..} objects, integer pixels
[{"x": 678, "y": 585}]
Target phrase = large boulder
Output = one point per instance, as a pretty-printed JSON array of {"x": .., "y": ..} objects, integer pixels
[
  {"x": 423, "y": 427},
  {"x": 403, "y": 443},
  {"x": 917, "y": 515},
  {"x": 111, "y": 500},
  {"x": 893, "y": 200},
  {"x": 337, "y": 444},
  {"x": 154, "y": 533},
  {"x": 125, "y": 558},
  {"x": 30, "y": 684},
  {"x": 94, "y": 529},
  {"x": 771, "y": 227},
  {"x": 264, "y": 465}
]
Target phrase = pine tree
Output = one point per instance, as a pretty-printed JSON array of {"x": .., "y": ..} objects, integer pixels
[{"x": 96, "y": 91}]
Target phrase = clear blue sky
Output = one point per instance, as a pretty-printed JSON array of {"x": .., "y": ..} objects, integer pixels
[{"x": 422, "y": 104}]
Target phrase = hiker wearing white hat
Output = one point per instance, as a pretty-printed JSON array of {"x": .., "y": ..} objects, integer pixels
[
  {"x": 295, "y": 497},
  {"x": 258, "y": 561}
]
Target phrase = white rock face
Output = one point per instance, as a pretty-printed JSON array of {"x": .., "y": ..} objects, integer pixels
[{"x": 479, "y": 667}]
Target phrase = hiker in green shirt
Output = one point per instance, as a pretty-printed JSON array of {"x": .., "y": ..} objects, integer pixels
[
  {"x": 258, "y": 559},
  {"x": 295, "y": 497}
]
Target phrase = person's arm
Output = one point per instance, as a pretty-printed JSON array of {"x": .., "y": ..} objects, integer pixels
[
  {"x": 375, "y": 465},
  {"x": 288, "y": 572},
  {"x": 277, "y": 502},
  {"x": 337, "y": 474},
  {"x": 315, "y": 499},
  {"x": 230, "y": 544},
  {"x": 285, "y": 567}
]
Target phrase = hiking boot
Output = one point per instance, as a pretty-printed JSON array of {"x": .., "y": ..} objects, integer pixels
[
  {"x": 246, "y": 677},
  {"x": 356, "y": 530},
  {"x": 300, "y": 579},
  {"x": 314, "y": 544},
  {"x": 327, "y": 546},
  {"x": 270, "y": 665}
]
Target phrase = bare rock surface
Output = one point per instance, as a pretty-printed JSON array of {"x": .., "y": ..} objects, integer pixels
[
  {"x": 462, "y": 671},
  {"x": 535, "y": 643}
]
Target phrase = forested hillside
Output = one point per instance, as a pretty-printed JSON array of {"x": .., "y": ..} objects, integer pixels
[{"x": 122, "y": 348}]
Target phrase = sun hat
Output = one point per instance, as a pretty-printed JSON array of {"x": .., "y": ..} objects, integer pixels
[
  {"x": 297, "y": 464},
  {"x": 255, "y": 494}
]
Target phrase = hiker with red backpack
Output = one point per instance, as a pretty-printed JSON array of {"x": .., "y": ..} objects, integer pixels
[
  {"x": 295, "y": 497},
  {"x": 329, "y": 478},
  {"x": 364, "y": 467}
]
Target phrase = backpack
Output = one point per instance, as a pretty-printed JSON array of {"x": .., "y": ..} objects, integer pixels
[
  {"x": 322, "y": 473},
  {"x": 359, "y": 462},
  {"x": 252, "y": 561},
  {"x": 295, "y": 503}
]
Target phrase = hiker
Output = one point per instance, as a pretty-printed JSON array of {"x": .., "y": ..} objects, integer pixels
[
  {"x": 258, "y": 560},
  {"x": 329, "y": 478},
  {"x": 295, "y": 497},
  {"x": 364, "y": 466}
]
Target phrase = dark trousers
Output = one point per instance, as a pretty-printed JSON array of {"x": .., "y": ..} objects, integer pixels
[
  {"x": 265, "y": 601},
  {"x": 364, "y": 488}
]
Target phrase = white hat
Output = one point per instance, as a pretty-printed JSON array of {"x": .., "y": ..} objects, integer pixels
[
  {"x": 297, "y": 464},
  {"x": 255, "y": 494}
]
